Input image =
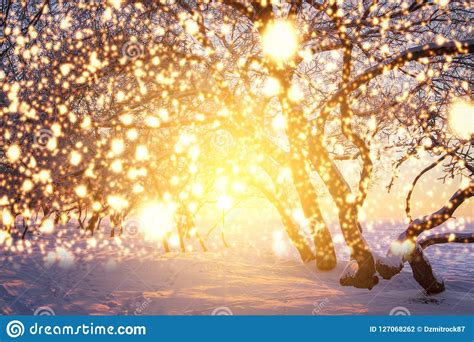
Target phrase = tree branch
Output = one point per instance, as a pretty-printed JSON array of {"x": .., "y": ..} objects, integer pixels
[{"x": 411, "y": 54}]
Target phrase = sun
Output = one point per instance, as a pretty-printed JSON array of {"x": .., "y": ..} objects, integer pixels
[
  {"x": 280, "y": 40},
  {"x": 461, "y": 119},
  {"x": 157, "y": 219}
]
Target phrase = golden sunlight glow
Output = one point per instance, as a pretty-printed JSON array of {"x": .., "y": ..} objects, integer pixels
[
  {"x": 224, "y": 202},
  {"x": 4, "y": 236},
  {"x": 13, "y": 153},
  {"x": 402, "y": 248},
  {"x": 221, "y": 183},
  {"x": 191, "y": 27},
  {"x": 461, "y": 119},
  {"x": 174, "y": 240},
  {"x": 157, "y": 219},
  {"x": 271, "y": 87},
  {"x": 81, "y": 191},
  {"x": 115, "y": 3},
  {"x": 117, "y": 203},
  {"x": 116, "y": 166},
  {"x": 27, "y": 185},
  {"x": 141, "y": 153},
  {"x": 7, "y": 217},
  {"x": 279, "y": 246},
  {"x": 75, "y": 158},
  {"x": 47, "y": 227},
  {"x": 279, "y": 122},
  {"x": 280, "y": 41},
  {"x": 118, "y": 146},
  {"x": 197, "y": 189},
  {"x": 295, "y": 93}
]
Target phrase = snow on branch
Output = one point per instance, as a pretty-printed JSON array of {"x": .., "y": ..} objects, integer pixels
[
  {"x": 407, "y": 249},
  {"x": 446, "y": 238},
  {"x": 437, "y": 218},
  {"x": 411, "y": 54}
]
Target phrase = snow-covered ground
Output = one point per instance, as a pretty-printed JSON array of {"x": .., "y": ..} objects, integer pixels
[{"x": 259, "y": 274}]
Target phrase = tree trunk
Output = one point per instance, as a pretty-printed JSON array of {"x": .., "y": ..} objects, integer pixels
[
  {"x": 292, "y": 229},
  {"x": 201, "y": 242},
  {"x": 348, "y": 216},
  {"x": 166, "y": 247},
  {"x": 92, "y": 223},
  {"x": 298, "y": 127},
  {"x": 325, "y": 253},
  {"x": 423, "y": 272}
]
